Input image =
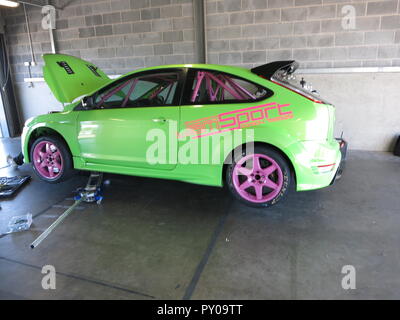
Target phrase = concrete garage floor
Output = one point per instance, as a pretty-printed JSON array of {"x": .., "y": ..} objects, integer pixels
[{"x": 155, "y": 239}]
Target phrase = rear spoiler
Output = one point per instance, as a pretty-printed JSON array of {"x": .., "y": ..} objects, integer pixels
[{"x": 268, "y": 70}]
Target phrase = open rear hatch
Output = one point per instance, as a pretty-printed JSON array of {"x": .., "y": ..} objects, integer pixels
[
  {"x": 69, "y": 77},
  {"x": 282, "y": 73}
]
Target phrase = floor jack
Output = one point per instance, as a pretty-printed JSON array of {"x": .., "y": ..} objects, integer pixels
[{"x": 91, "y": 193}]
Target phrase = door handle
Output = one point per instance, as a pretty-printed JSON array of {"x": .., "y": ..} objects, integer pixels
[{"x": 160, "y": 120}]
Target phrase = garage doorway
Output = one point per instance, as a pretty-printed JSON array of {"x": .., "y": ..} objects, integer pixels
[{"x": 9, "y": 119}]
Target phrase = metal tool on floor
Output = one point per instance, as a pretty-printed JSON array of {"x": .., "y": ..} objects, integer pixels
[
  {"x": 10, "y": 185},
  {"x": 91, "y": 193}
]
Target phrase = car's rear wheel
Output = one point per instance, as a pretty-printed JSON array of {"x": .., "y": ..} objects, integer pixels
[
  {"x": 51, "y": 159},
  {"x": 259, "y": 179}
]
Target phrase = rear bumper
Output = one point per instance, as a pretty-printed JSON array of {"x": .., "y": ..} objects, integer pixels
[
  {"x": 343, "y": 150},
  {"x": 316, "y": 163}
]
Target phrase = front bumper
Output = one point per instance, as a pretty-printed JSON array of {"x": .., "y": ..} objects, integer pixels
[
  {"x": 343, "y": 150},
  {"x": 24, "y": 143}
]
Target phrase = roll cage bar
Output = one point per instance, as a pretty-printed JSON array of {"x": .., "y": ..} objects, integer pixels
[{"x": 223, "y": 82}]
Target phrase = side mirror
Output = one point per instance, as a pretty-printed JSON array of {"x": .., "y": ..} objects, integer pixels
[{"x": 87, "y": 102}]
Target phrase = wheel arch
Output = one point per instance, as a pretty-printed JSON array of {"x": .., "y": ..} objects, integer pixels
[
  {"x": 41, "y": 132},
  {"x": 258, "y": 143}
]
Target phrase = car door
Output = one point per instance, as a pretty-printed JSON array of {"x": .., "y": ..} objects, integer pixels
[{"x": 131, "y": 116}]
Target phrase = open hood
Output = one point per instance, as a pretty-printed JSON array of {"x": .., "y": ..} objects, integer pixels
[
  {"x": 69, "y": 77},
  {"x": 268, "y": 70}
]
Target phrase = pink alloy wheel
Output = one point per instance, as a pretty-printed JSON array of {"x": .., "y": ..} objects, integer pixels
[
  {"x": 47, "y": 160},
  {"x": 259, "y": 183}
]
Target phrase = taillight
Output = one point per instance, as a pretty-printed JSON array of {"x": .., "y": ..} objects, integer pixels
[{"x": 305, "y": 95}]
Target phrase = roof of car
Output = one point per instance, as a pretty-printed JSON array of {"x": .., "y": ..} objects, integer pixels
[{"x": 228, "y": 69}]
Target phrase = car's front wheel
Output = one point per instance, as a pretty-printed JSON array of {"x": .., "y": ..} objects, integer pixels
[
  {"x": 259, "y": 179},
  {"x": 51, "y": 159}
]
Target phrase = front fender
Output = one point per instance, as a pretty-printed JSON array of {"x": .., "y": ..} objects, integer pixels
[{"x": 61, "y": 124}]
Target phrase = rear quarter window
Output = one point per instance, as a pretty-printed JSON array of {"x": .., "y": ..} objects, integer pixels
[{"x": 212, "y": 87}]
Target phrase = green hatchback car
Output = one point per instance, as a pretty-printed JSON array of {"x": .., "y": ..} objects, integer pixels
[{"x": 258, "y": 132}]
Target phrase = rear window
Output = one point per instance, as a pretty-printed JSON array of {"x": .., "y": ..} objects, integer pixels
[{"x": 298, "y": 84}]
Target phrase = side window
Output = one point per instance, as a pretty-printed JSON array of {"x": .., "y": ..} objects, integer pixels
[
  {"x": 144, "y": 91},
  {"x": 218, "y": 87},
  {"x": 114, "y": 96}
]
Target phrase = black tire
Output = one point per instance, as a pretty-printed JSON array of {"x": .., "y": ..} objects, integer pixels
[
  {"x": 286, "y": 177},
  {"x": 67, "y": 168}
]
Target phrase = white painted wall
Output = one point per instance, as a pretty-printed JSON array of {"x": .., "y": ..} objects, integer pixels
[
  {"x": 367, "y": 105},
  {"x": 35, "y": 100}
]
